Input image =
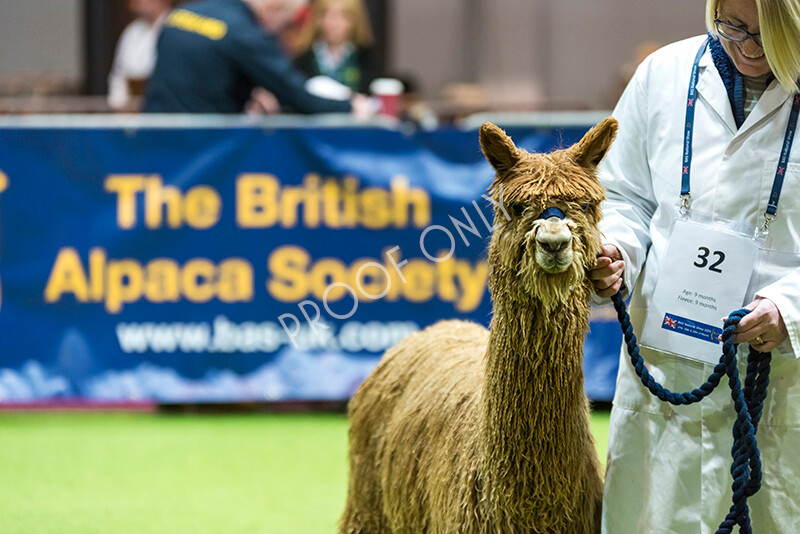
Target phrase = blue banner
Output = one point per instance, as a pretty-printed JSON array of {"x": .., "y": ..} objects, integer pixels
[{"x": 233, "y": 264}]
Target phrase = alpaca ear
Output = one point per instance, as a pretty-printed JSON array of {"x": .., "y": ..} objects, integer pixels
[
  {"x": 593, "y": 147},
  {"x": 498, "y": 148}
]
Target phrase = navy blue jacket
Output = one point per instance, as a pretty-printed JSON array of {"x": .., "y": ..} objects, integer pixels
[{"x": 212, "y": 53}]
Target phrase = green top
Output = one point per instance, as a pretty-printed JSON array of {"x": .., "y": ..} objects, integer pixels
[{"x": 754, "y": 87}]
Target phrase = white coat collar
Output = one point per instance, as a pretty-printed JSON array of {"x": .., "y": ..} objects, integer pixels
[{"x": 712, "y": 89}]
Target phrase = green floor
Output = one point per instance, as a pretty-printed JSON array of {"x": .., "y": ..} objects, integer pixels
[{"x": 143, "y": 473}]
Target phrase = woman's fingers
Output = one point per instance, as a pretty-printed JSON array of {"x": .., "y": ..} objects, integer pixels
[
  {"x": 763, "y": 328},
  {"x": 605, "y": 269},
  {"x": 608, "y": 280},
  {"x": 767, "y": 346},
  {"x": 758, "y": 315},
  {"x": 611, "y": 290},
  {"x": 750, "y": 329},
  {"x": 606, "y": 276},
  {"x": 602, "y": 262},
  {"x": 610, "y": 251}
]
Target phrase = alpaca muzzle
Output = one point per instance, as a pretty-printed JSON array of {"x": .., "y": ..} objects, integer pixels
[{"x": 553, "y": 244}]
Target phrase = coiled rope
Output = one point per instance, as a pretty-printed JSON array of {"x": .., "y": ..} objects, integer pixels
[{"x": 748, "y": 401}]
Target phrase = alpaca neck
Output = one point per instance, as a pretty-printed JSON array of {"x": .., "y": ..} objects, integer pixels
[{"x": 535, "y": 412}]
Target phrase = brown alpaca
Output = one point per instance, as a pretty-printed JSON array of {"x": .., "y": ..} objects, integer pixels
[{"x": 464, "y": 430}]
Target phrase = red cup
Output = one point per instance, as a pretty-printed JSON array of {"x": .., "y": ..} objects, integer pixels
[{"x": 388, "y": 91}]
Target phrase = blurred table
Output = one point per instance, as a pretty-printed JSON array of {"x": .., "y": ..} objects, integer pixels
[{"x": 28, "y": 105}]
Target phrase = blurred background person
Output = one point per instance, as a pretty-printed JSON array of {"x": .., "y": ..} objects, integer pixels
[
  {"x": 213, "y": 53},
  {"x": 292, "y": 31},
  {"x": 337, "y": 43},
  {"x": 262, "y": 102},
  {"x": 135, "y": 55}
]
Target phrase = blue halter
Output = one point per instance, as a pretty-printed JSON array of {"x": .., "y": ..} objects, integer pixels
[{"x": 552, "y": 212}]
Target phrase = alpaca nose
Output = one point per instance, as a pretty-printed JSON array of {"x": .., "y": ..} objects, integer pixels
[
  {"x": 553, "y": 244},
  {"x": 554, "y": 240}
]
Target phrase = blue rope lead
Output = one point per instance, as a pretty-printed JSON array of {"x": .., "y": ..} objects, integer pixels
[{"x": 746, "y": 465}]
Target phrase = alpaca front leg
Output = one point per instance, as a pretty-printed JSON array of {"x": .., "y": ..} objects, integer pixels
[
  {"x": 363, "y": 513},
  {"x": 363, "y": 522}
]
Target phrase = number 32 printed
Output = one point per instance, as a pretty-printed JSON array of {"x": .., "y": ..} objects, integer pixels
[{"x": 702, "y": 259}]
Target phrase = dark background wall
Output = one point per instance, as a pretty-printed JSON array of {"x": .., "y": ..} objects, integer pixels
[
  {"x": 41, "y": 36},
  {"x": 567, "y": 53}
]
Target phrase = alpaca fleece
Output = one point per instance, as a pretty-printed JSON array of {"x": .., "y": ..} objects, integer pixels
[{"x": 464, "y": 430}]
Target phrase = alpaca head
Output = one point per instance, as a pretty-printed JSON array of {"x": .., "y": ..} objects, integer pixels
[{"x": 548, "y": 207}]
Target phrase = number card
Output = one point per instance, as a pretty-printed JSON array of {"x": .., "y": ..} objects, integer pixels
[{"x": 704, "y": 276}]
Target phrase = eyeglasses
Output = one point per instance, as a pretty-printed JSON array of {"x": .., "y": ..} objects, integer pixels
[{"x": 736, "y": 34}]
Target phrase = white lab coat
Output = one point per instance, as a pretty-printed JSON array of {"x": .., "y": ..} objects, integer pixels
[{"x": 668, "y": 467}]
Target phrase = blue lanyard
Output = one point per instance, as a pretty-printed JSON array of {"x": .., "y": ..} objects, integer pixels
[
  {"x": 788, "y": 139},
  {"x": 777, "y": 184},
  {"x": 691, "y": 101}
]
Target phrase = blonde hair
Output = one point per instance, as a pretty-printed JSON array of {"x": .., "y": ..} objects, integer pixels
[
  {"x": 780, "y": 33},
  {"x": 362, "y": 31}
]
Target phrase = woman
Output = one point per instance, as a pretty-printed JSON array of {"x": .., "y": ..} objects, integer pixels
[
  {"x": 668, "y": 467},
  {"x": 336, "y": 43}
]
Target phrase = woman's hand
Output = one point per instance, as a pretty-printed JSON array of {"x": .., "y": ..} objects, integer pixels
[
  {"x": 606, "y": 276},
  {"x": 262, "y": 102},
  {"x": 363, "y": 107},
  {"x": 763, "y": 328}
]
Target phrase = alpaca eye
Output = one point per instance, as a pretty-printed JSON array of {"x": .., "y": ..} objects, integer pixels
[
  {"x": 586, "y": 208},
  {"x": 517, "y": 209}
]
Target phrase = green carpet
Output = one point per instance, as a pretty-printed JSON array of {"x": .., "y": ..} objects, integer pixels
[{"x": 142, "y": 473}]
